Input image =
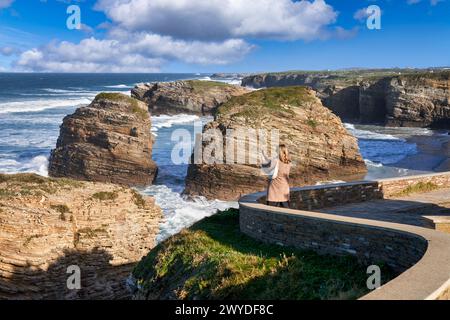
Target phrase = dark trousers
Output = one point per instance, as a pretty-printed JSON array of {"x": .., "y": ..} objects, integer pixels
[{"x": 278, "y": 204}]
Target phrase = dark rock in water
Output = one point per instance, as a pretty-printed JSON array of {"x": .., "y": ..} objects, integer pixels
[
  {"x": 407, "y": 98},
  {"x": 107, "y": 141},
  {"x": 190, "y": 97},
  {"x": 320, "y": 146}
]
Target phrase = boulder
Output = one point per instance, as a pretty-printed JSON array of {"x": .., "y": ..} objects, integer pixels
[
  {"x": 320, "y": 146},
  {"x": 107, "y": 141}
]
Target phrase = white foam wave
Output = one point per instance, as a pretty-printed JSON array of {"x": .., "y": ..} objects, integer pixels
[
  {"x": 365, "y": 134},
  {"x": 165, "y": 121},
  {"x": 38, "y": 165},
  {"x": 119, "y": 86},
  {"x": 40, "y": 105},
  {"x": 370, "y": 163},
  {"x": 180, "y": 213}
]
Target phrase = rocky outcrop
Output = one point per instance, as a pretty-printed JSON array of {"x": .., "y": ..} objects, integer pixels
[
  {"x": 107, "y": 141},
  {"x": 190, "y": 97},
  {"x": 393, "y": 97},
  {"x": 419, "y": 101},
  {"x": 48, "y": 225},
  {"x": 320, "y": 146}
]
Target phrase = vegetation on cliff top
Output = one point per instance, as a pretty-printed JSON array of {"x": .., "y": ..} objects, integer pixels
[
  {"x": 276, "y": 99},
  {"x": 200, "y": 85},
  {"x": 120, "y": 97},
  {"x": 214, "y": 260}
]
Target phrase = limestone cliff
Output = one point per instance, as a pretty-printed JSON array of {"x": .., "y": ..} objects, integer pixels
[
  {"x": 320, "y": 146},
  {"x": 394, "y": 97},
  {"x": 190, "y": 97},
  {"x": 107, "y": 141},
  {"x": 48, "y": 225}
]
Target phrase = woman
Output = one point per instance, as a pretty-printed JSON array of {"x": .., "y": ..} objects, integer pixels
[{"x": 278, "y": 192}]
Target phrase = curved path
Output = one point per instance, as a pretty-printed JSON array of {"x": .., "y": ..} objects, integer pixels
[{"x": 420, "y": 253}]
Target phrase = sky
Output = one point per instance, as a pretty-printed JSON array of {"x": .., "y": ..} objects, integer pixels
[{"x": 178, "y": 36}]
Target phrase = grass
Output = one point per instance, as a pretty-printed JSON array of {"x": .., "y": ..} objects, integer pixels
[
  {"x": 105, "y": 196},
  {"x": 420, "y": 187},
  {"x": 62, "y": 209},
  {"x": 33, "y": 185},
  {"x": 119, "y": 97},
  {"x": 201, "y": 86},
  {"x": 214, "y": 260},
  {"x": 29, "y": 239},
  {"x": 271, "y": 100},
  {"x": 138, "y": 199}
]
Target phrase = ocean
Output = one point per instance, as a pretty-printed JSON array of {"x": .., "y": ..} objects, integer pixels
[{"x": 32, "y": 107}]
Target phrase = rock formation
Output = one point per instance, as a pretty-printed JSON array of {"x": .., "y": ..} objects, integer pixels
[
  {"x": 320, "y": 146},
  {"x": 190, "y": 97},
  {"x": 393, "y": 97},
  {"x": 48, "y": 225},
  {"x": 107, "y": 141}
]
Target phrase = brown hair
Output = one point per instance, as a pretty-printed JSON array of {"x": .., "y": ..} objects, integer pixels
[{"x": 284, "y": 154}]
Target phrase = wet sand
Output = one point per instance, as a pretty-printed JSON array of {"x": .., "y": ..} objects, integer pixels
[{"x": 433, "y": 154}]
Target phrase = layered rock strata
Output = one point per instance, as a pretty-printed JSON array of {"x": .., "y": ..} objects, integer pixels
[
  {"x": 320, "y": 146},
  {"x": 189, "y": 97},
  {"x": 391, "y": 97},
  {"x": 52, "y": 230},
  {"x": 106, "y": 141}
]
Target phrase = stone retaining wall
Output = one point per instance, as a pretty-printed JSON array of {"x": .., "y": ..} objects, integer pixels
[
  {"x": 399, "y": 250},
  {"x": 324, "y": 196},
  {"x": 421, "y": 255}
]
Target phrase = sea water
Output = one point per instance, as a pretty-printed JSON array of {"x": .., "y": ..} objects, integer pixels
[{"x": 32, "y": 107}]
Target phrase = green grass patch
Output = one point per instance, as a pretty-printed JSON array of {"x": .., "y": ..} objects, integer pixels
[
  {"x": 138, "y": 199},
  {"x": 119, "y": 97},
  {"x": 266, "y": 101},
  {"x": 91, "y": 233},
  {"x": 62, "y": 209},
  {"x": 312, "y": 123},
  {"x": 420, "y": 187},
  {"x": 214, "y": 260},
  {"x": 201, "y": 86},
  {"x": 105, "y": 196}
]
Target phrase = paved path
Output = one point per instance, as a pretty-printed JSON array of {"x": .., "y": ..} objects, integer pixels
[{"x": 407, "y": 210}]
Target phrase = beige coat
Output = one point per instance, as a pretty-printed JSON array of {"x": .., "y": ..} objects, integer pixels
[{"x": 279, "y": 190}]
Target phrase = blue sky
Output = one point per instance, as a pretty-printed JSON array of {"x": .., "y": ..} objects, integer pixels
[{"x": 221, "y": 36}]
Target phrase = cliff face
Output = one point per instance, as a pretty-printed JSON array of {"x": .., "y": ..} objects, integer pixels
[
  {"x": 413, "y": 99},
  {"x": 48, "y": 225},
  {"x": 191, "y": 97},
  {"x": 419, "y": 101},
  {"x": 320, "y": 146},
  {"x": 107, "y": 141}
]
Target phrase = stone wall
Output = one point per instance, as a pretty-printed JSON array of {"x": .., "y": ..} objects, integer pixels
[
  {"x": 395, "y": 186},
  {"x": 371, "y": 245},
  {"x": 324, "y": 196},
  {"x": 421, "y": 255}
]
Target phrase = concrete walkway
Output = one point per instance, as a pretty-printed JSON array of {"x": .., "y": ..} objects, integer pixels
[{"x": 405, "y": 210}]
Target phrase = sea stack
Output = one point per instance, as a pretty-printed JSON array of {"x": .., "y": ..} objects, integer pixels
[
  {"x": 189, "y": 97},
  {"x": 320, "y": 146},
  {"x": 107, "y": 141},
  {"x": 52, "y": 230}
]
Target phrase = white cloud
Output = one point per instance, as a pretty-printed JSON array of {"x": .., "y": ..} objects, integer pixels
[
  {"x": 222, "y": 19},
  {"x": 361, "y": 14},
  {"x": 8, "y": 51},
  {"x": 136, "y": 53},
  {"x": 144, "y": 35},
  {"x": 5, "y": 3}
]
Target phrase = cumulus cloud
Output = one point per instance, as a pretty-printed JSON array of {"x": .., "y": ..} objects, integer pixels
[
  {"x": 221, "y": 19},
  {"x": 8, "y": 51},
  {"x": 138, "y": 53},
  {"x": 143, "y": 35},
  {"x": 5, "y": 3}
]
